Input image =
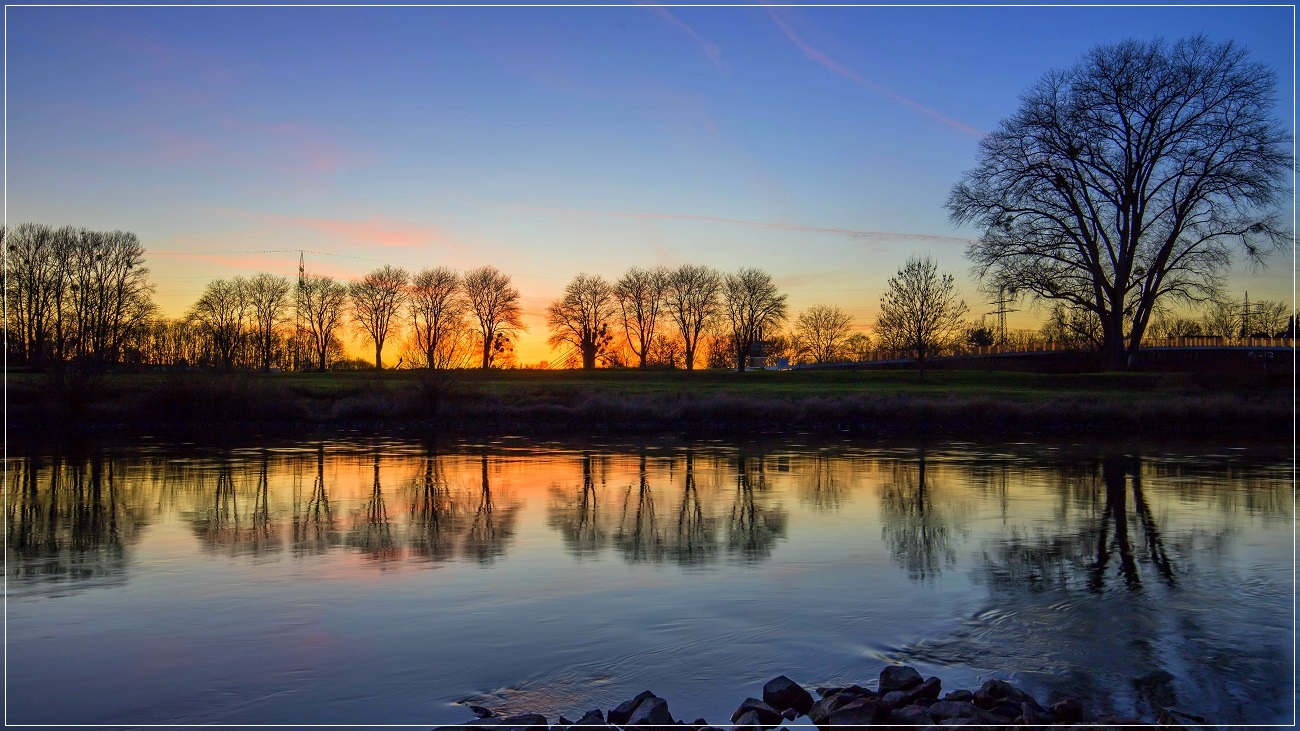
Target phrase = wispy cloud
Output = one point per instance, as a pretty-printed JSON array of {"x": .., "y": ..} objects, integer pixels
[
  {"x": 774, "y": 225},
  {"x": 822, "y": 58},
  {"x": 710, "y": 49}
]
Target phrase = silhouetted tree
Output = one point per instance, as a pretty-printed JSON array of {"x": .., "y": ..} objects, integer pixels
[
  {"x": 821, "y": 331},
  {"x": 692, "y": 301},
  {"x": 437, "y": 311},
  {"x": 494, "y": 302},
  {"x": 323, "y": 302},
  {"x": 222, "y": 314},
  {"x": 268, "y": 302},
  {"x": 919, "y": 312},
  {"x": 1128, "y": 178},
  {"x": 753, "y": 306},
  {"x": 640, "y": 293},
  {"x": 376, "y": 299},
  {"x": 581, "y": 317},
  {"x": 35, "y": 278}
]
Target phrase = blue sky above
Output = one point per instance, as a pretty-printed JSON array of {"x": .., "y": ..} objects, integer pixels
[{"x": 818, "y": 143}]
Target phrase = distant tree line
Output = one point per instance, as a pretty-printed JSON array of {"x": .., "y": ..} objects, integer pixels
[{"x": 81, "y": 296}]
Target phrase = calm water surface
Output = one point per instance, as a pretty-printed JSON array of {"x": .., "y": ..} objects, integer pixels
[{"x": 385, "y": 581}]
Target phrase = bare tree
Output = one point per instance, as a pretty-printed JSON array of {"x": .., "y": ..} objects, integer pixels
[
  {"x": 376, "y": 300},
  {"x": 222, "y": 314},
  {"x": 640, "y": 294},
  {"x": 821, "y": 331},
  {"x": 1171, "y": 326},
  {"x": 858, "y": 346},
  {"x": 323, "y": 302},
  {"x": 692, "y": 301},
  {"x": 268, "y": 302},
  {"x": 437, "y": 308},
  {"x": 494, "y": 301},
  {"x": 581, "y": 317},
  {"x": 753, "y": 305},
  {"x": 1130, "y": 178},
  {"x": 109, "y": 296},
  {"x": 919, "y": 312},
  {"x": 35, "y": 273}
]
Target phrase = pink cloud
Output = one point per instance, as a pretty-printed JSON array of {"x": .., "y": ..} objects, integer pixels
[
  {"x": 710, "y": 49},
  {"x": 817, "y": 55}
]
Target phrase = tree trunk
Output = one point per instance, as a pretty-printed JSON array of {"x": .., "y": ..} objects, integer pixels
[
  {"x": 379, "y": 363},
  {"x": 487, "y": 349},
  {"x": 588, "y": 356}
]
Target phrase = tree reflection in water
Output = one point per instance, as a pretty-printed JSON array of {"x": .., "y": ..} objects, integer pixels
[
  {"x": 437, "y": 518},
  {"x": 314, "y": 528},
  {"x": 694, "y": 542},
  {"x": 753, "y": 529},
  {"x": 371, "y": 532},
  {"x": 578, "y": 519},
  {"x": 637, "y": 535},
  {"x": 69, "y": 521},
  {"x": 1103, "y": 586},
  {"x": 490, "y": 528},
  {"x": 912, "y": 525}
]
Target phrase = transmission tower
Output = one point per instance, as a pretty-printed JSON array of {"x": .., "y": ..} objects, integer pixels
[
  {"x": 1246, "y": 313},
  {"x": 1001, "y": 303},
  {"x": 298, "y": 302}
]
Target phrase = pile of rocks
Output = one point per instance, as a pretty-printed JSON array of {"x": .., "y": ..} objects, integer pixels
[{"x": 901, "y": 698}]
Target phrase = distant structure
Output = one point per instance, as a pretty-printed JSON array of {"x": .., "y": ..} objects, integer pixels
[{"x": 1001, "y": 311}]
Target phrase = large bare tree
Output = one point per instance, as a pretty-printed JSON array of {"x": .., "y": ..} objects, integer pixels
[
  {"x": 692, "y": 301},
  {"x": 581, "y": 317},
  {"x": 268, "y": 302},
  {"x": 494, "y": 302},
  {"x": 1128, "y": 178},
  {"x": 754, "y": 306},
  {"x": 376, "y": 300},
  {"x": 323, "y": 302},
  {"x": 640, "y": 293},
  {"x": 920, "y": 313},
  {"x": 437, "y": 309},
  {"x": 821, "y": 331}
]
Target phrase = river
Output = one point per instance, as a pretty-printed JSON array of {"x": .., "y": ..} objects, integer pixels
[{"x": 383, "y": 580}]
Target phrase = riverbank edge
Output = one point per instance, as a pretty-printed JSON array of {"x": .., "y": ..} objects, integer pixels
[
  {"x": 202, "y": 405},
  {"x": 900, "y": 699}
]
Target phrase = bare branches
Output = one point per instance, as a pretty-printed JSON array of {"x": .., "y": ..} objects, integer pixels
[
  {"x": 437, "y": 311},
  {"x": 376, "y": 300},
  {"x": 581, "y": 317},
  {"x": 640, "y": 294},
  {"x": 753, "y": 305},
  {"x": 821, "y": 331},
  {"x": 1130, "y": 177},
  {"x": 691, "y": 300},
  {"x": 494, "y": 302},
  {"x": 920, "y": 313}
]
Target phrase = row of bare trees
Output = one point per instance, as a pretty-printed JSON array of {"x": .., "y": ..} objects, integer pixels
[
  {"x": 73, "y": 293},
  {"x": 692, "y": 300}
]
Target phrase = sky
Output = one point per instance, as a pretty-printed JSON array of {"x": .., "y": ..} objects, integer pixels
[{"x": 816, "y": 143}]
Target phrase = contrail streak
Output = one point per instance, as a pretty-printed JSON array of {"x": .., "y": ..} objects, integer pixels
[{"x": 817, "y": 55}]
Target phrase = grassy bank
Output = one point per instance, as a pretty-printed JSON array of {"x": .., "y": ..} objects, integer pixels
[{"x": 629, "y": 402}]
